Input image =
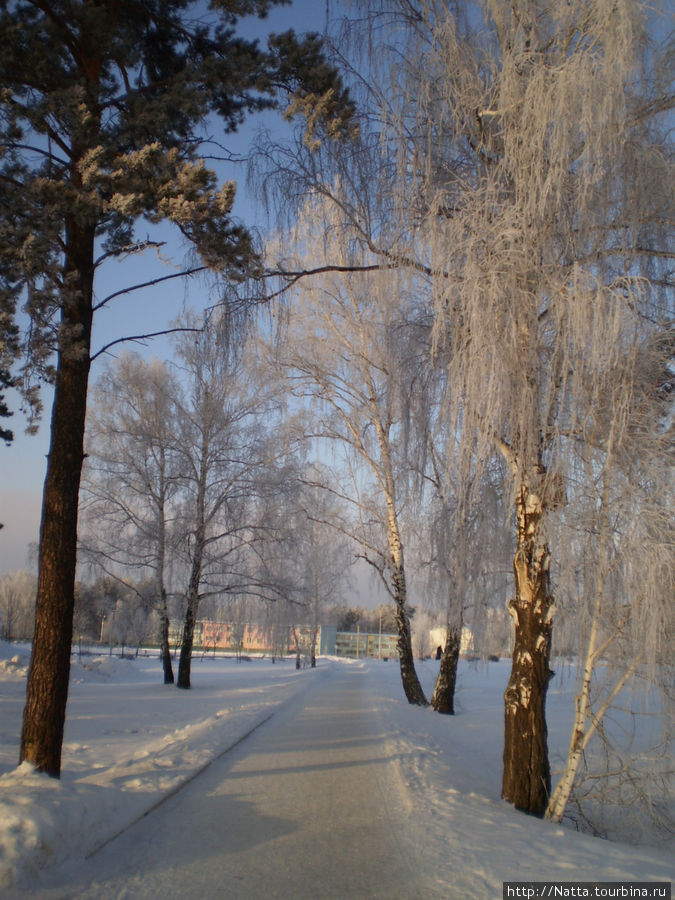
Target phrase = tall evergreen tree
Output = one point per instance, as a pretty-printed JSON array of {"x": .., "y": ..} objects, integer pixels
[{"x": 102, "y": 108}]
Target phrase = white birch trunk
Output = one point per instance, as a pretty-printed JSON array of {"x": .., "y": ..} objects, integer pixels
[
  {"x": 558, "y": 801},
  {"x": 411, "y": 685}
]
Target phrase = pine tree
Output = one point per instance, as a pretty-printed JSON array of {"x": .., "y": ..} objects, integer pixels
[{"x": 102, "y": 106}]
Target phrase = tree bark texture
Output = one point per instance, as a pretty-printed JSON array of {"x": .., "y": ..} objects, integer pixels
[
  {"x": 526, "y": 779},
  {"x": 314, "y": 637},
  {"x": 443, "y": 698},
  {"x": 185, "y": 661},
  {"x": 557, "y": 803},
  {"x": 411, "y": 685},
  {"x": 47, "y": 687},
  {"x": 164, "y": 648}
]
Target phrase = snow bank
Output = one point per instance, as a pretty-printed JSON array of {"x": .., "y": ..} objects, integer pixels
[
  {"x": 15, "y": 667},
  {"x": 130, "y": 742},
  {"x": 470, "y": 839}
]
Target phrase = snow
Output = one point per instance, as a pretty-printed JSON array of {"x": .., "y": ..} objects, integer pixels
[{"x": 131, "y": 741}]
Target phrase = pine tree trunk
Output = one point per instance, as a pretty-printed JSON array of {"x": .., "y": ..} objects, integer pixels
[
  {"x": 526, "y": 779},
  {"x": 443, "y": 698},
  {"x": 47, "y": 688}
]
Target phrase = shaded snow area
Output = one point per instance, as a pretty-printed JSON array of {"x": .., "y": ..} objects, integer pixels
[
  {"x": 312, "y": 783},
  {"x": 129, "y": 741},
  {"x": 470, "y": 839}
]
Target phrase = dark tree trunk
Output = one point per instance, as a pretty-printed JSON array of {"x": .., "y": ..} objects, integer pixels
[
  {"x": 164, "y": 648},
  {"x": 411, "y": 685},
  {"x": 527, "y": 776},
  {"x": 297, "y": 646},
  {"x": 443, "y": 698},
  {"x": 315, "y": 634},
  {"x": 47, "y": 688},
  {"x": 185, "y": 661}
]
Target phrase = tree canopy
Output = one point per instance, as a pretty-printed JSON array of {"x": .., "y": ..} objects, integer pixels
[{"x": 103, "y": 125}]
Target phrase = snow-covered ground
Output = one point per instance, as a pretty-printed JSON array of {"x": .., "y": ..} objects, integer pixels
[{"x": 130, "y": 741}]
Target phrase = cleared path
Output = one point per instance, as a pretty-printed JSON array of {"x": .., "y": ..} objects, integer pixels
[{"x": 310, "y": 805}]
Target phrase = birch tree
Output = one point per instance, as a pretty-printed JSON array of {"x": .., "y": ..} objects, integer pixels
[
  {"x": 431, "y": 514},
  {"x": 460, "y": 551},
  {"x": 526, "y": 149},
  {"x": 130, "y": 478},
  {"x": 223, "y": 421},
  {"x": 340, "y": 346},
  {"x": 622, "y": 592},
  {"x": 538, "y": 150}
]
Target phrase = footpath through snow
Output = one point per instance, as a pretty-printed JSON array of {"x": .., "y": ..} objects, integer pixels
[
  {"x": 130, "y": 741},
  {"x": 430, "y": 806},
  {"x": 309, "y": 805}
]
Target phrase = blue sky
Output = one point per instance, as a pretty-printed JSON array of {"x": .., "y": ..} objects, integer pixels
[{"x": 23, "y": 463}]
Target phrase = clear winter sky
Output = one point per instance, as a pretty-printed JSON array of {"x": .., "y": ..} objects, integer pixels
[{"x": 22, "y": 464}]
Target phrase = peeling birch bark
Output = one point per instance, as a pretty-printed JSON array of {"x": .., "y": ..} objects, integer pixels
[
  {"x": 443, "y": 698},
  {"x": 411, "y": 684},
  {"x": 526, "y": 781}
]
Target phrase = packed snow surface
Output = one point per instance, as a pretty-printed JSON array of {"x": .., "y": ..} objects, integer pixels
[{"x": 264, "y": 781}]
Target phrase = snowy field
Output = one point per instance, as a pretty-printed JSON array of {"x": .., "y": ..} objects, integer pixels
[{"x": 130, "y": 741}]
